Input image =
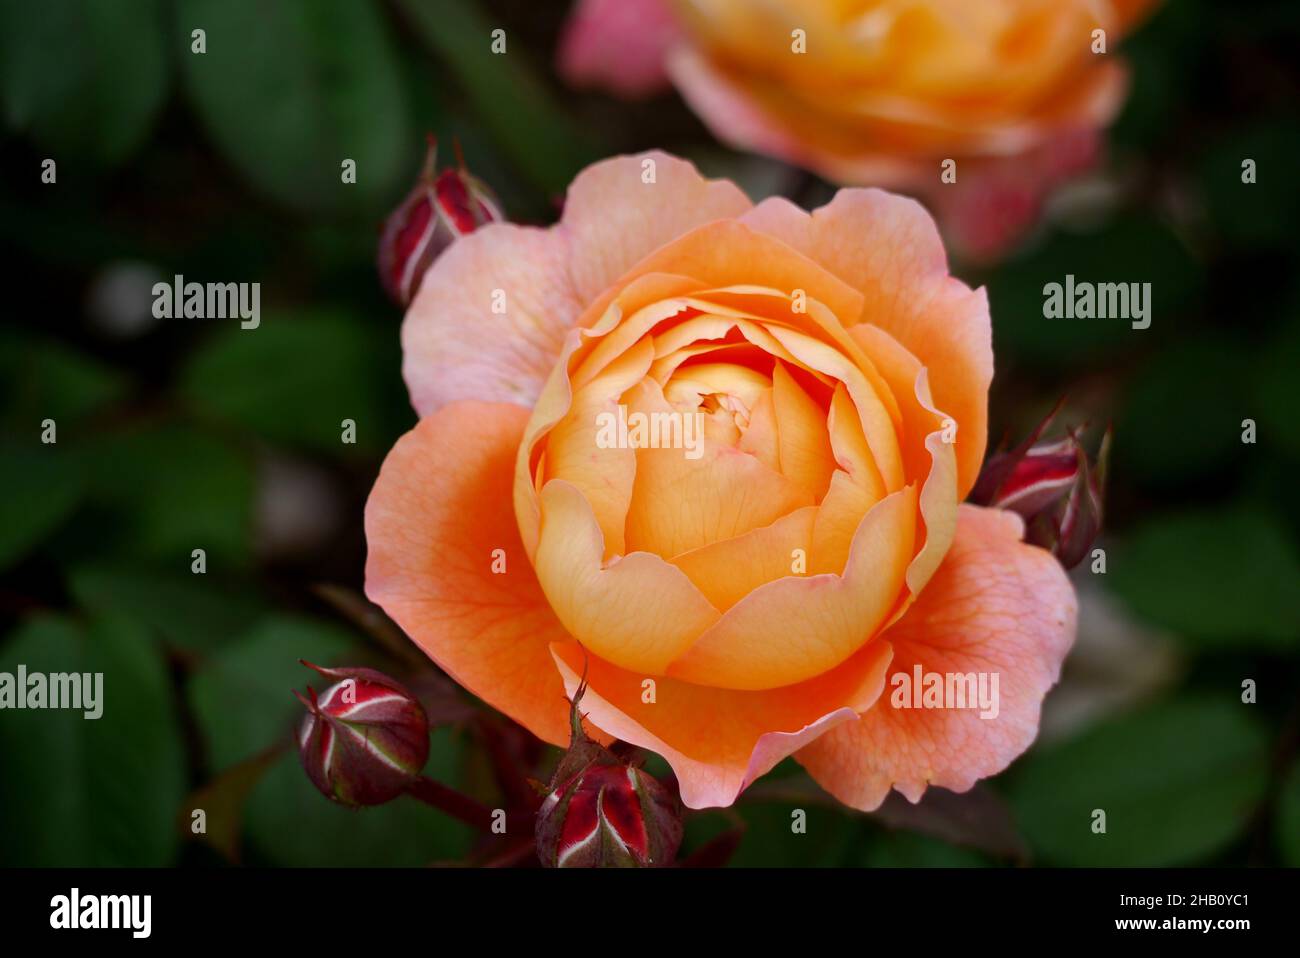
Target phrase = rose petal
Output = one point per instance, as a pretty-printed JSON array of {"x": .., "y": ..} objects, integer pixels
[
  {"x": 717, "y": 741},
  {"x": 438, "y": 511},
  {"x": 995, "y": 604},
  {"x": 796, "y": 627},
  {"x": 887, "y": 247}
]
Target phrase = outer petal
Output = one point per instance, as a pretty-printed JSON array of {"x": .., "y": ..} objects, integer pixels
[
  {"x": 455, "y": 346},
  {"x": 441, "y": 505},
  {"x": 995, "y": 604},
  {"x": 492, "y": 312},
  {"x": 717, "y": 741},
  {"x": 887, "y": 247},
  {"x": 613, "y": 218}
]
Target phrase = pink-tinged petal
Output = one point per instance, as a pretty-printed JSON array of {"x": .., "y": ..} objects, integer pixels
[
  {"x": 613, "y": 218},
  {"x": 439, "y": 509},
  {"x": 492, "y": 312},
  {"x": 887, "y": 247},
  {"x": 619, "y": 45},
  {"x": 995, "y": 605},
  {"x": 489, "y": 319},
  {"x": 719, "y": 741},
  {"x": 996, "y": 200}
]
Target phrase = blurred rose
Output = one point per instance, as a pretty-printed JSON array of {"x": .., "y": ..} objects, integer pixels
[
  {"x": 745, "y": 597},
  {"x": 621, "y": 45},
  {"x": 884, "y": 91}
]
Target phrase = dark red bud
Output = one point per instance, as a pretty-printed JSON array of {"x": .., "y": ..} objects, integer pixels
[
  {"x": 440, "y": 209},
  {"x": 604, "y": 812},
  {"x": 365, "y": 739},
  {"x": 1054, "y": 486}
]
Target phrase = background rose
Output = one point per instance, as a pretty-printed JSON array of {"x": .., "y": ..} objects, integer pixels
[
  {"x": 883, "y": 92},
  {"x": 824, "y": 433}
]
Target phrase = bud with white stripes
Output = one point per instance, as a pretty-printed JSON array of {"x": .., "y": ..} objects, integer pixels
[{"x": 365, "y": 739}]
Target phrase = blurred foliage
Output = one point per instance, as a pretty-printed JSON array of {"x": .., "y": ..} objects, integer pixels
[{"x": 226, "y": 166}]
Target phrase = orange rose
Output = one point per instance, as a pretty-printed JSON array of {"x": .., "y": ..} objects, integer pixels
[
  {"x": 882, "y": 86},
  {"x": 712, "y": 454},
  {"x": 882, "y": 92}
]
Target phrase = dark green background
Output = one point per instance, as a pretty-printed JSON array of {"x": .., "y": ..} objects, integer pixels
[{"x": 226, "y": 166}]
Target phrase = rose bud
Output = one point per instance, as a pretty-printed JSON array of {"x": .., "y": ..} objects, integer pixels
[
  {"x": 440, "y": 209},
  {"x": 604, "y": 812},
  {"x": 1053, "y": 486},
  {"x": 364, "y": 739}
]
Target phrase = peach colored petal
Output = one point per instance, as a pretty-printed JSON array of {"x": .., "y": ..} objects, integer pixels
[
  {"x": 439, "y": 509},
  {"x": 637, "y": 612},
  {"x": 927, "y": 457},
  {"x": 887, "y": 247},
  {"x": 604, "y": 475},
  {"x": 728, "y": 253},
  {"x": 717, "y": 741},
  {"x": 492, "y": 312},
  {"x": 679, "y": 504},
  {"x": 613, "y": 219},
  {"x": 729, "y": 570},
  {"x": 877, "y": 426},
  {"x": 583, "y": 356},
  {"x": 796, "y": 627},
  {"x": 995, "y": 605},
  {"x": 805, "y": 445},
  {"x": 455, "y": 346}
]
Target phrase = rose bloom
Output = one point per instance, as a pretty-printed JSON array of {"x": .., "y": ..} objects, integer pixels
[
  {"x": 884, "y": 92},
  {"x": 747, "y": 600}
]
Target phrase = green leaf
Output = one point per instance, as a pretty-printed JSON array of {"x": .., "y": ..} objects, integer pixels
[
  {"x": 1288, "y": 817},
  {"x": 902, "y": 849},
  {"x": 86, "y": 78},
  {"x": 291, "y": 823},
  {"x": 509, "y": 99},
  {"x": 162, "y": 492},
  {"x": 291, "y": 89},
  {"x": 1223, "y": 579},
  {"x": 771, "y": 841},
  {"x": 196, "y": 612},
  {"x": 91, "y": 792},
  {"x": 1278, "y": 390},
  {"x": 1168, "y": 432},
  {"x": 294, "y": 379},
  {"x": 1178, "y": 782},
  {"x": 1251, "y": 215},
  {"x": 39, "y": 489},
  {"x": 243, "y": 703},
  {"x": 243, "y": 697},
  {"x": 41, "y": 379}
]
